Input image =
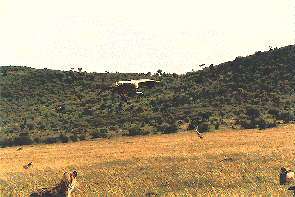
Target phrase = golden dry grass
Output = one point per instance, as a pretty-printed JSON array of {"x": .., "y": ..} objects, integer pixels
[{"x": 224, "y": 163}]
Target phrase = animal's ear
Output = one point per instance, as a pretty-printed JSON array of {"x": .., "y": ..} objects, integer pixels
[
  {"x": 74, "y": 173},
  {"x": 66, "y": 175}
]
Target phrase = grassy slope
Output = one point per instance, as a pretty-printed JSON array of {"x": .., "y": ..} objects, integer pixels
[
  {"x": 224, "y": 162},
  {"x": 30, "y": 98}
]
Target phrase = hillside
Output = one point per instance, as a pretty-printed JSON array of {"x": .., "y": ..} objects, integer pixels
[
  {"x": 43, "y": 105},
  {"x": 223, "y": 163}
]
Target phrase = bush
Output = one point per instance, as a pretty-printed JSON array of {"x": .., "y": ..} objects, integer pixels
[
  {"x": 23, "y": 139},
  {"x": 272, "y": 124},
  {"x": 74, "y": 138},
  {"x": 63, "y": 138},
  {"x": 203, "y": 127},
  {"x": 148, "y": 129},
  {"x": 101, "y": 133},
  {"x": 37, "y": 140},
  {"x": 216, "y": 125},
  {"x": 82, "y": 137},
  {"x": 247, "y": 124},
  {"x": 205, "y": 115},
  {"x": 274, "y": 112},
  {"x": 135, "y": 130},
  {"x": 31, "y": 126},
  {"x": 51, "y": 140},
  {"x": 286, "y": 116},
  {"x": 256, "y": 123},
  {"x": 194, "y": 123},
  {"x": 95, "y": 134},
  {"x": 252, "y": 112},
  {"x": 168, "y": 128},
  {"x": 262, "y": 124},
  {"x": 5, "y": 141}
]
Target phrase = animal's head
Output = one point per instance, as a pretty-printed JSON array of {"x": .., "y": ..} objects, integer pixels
[
  {"x": 69, "y": 180},
  {"x": 283, "y": 170}
]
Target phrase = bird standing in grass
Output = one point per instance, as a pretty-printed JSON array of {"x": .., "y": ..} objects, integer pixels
[
  {"x": 28, "y": 165},
  {"x": 199, "y": 134},
  {"x": 20, "y": 148}
]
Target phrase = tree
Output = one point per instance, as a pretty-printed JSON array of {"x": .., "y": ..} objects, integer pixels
[
  {"x": 168, "y": 128},
  {"x": 23, "y": 139},
  {"x": 160, "y": 72},
  {"x": 135, "y": 130},
  {"x": 252, "y": 112},
  {"x": 63, "y": 138}
]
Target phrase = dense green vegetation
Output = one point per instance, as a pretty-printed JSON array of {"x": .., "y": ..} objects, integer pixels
[{"x": 47, "y": 106}]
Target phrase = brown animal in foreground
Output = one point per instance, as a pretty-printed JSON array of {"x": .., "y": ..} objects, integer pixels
[
  {"x": 63, "y": 189},
  {"x": 286, "y": 176},
  {"x": 28, "y": 165}
]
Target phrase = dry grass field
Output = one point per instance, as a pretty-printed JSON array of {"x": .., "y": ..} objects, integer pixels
[{"x": 223, "y": 163}]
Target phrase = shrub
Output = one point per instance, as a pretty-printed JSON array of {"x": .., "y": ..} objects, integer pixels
[
  {"x": 252, "y": 112},
  {"x": 205, "y": 115},
  {"x": 51, "y": 140},
  {"x": 63, "y": 138},
  {"x": 168, "y": 128},
  {"x": 194, "y": 123},
  {"x": 82, "y": 137},
  {"x": 31, "y": 125},
  {"x": 247, "y": 124},
  {"x": 37, "y": 140},
  {"x": 95, "y": 134},
  {"x": 262, "y": 124},
  {"x": 148, "y": 129},
  {"x": 5, "y": 141},
  {"x": 256, "y": 123},
  {"x": 135, "y": 130},
  {"x": 12, "y": 129},
  {"x": 74, "y": 138},
  {"x": 101, "y": 133},
  {"x": 286, "y": 116},
  {"x": 203, "y": 127},
  {"x": 272, "y": 124},
  {"x": 23, "y": 139},
  {"x": 275, "y": 112},
  {"x": 216, "y": 125}
]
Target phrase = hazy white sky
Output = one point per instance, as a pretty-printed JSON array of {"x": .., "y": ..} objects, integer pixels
[{"x": 140, "y": 35}]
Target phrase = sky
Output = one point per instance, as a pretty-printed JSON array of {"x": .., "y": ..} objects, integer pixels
[{"x": 140, "y": 35}]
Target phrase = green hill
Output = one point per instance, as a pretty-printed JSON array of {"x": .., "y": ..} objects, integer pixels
[{"x": 43, "y": 105}]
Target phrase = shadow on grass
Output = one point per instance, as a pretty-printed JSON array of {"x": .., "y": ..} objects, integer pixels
[{"x": 292, "y": 188}]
